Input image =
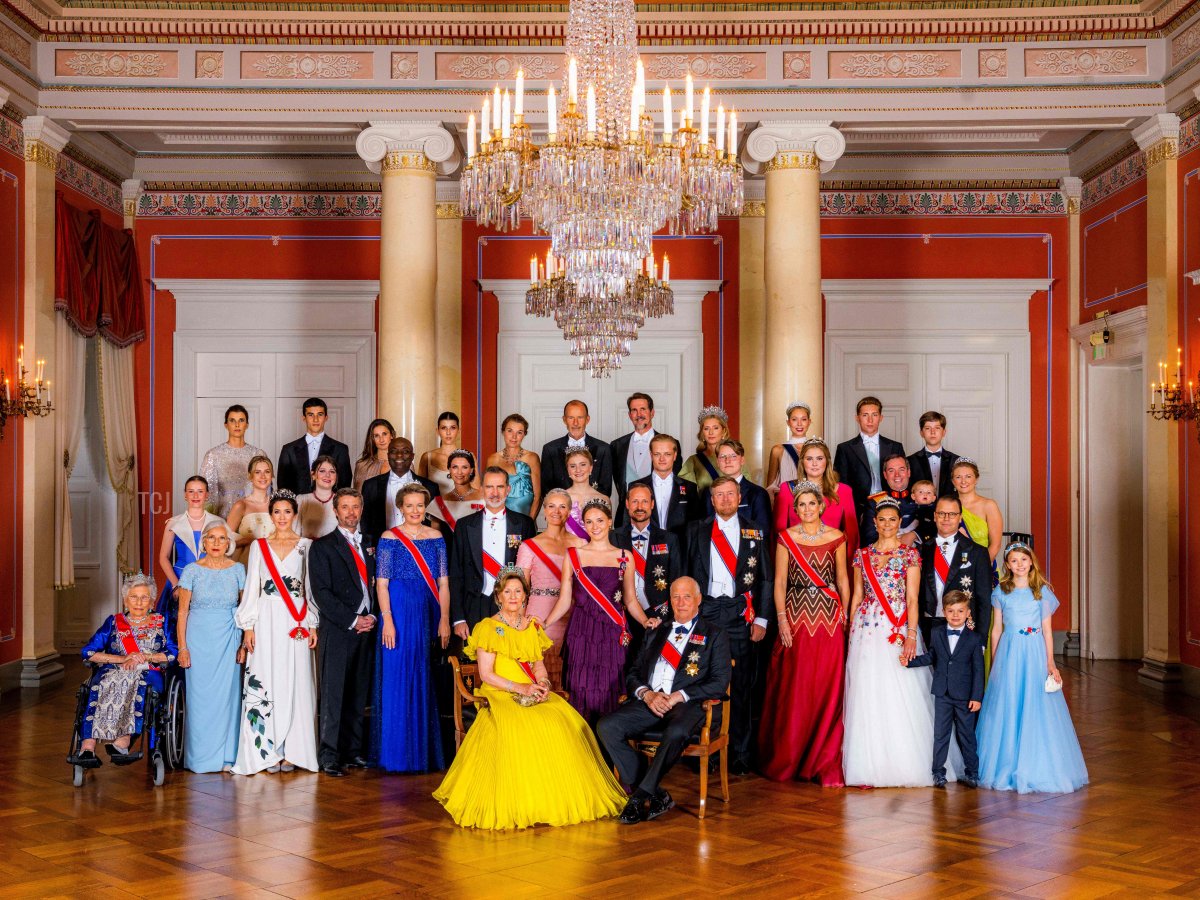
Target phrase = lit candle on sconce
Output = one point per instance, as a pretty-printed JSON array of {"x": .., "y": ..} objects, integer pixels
[
  {"x": 667, "y": 115},
  {"x": 732, "y": 132},
  {"x": 484, "y": 131},
  {"x": 519, "y": 105},
  {"x": 470, "y": 136},
  {"x": 666, "y": 269},
  {"x": 551, "y": 114},
  {"x": 688, "y": 99},
  {"x": 705, "y": 100},
  {"x": 573, "y": 82},
  {"x": 720, "y": 128},
  {"x": 506, "y": 118},
  {"x": 496, "y": 109},
  {"x": 533, "y": 270}
]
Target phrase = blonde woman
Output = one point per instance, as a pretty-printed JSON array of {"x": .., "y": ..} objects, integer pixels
[
  {"x": 701, "y": 467},
  {"x": 783, "y": 465}
]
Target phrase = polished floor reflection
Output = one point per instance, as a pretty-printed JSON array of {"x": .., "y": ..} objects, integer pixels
[{"x": 1132, "y": 832}]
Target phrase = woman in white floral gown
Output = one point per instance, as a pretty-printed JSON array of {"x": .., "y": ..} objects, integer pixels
[{"x": 279, "y": 701}]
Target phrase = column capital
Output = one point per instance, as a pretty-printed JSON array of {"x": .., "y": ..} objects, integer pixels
[
  {"x": 1072, "y": 189},
  {"x": 44, "y": 140},
  {"x": 408, "y": 145},
  {"x": 798, "y": 145},
  {"x": 131, "y": 189},
  {"x": 1158, "y": 137}
]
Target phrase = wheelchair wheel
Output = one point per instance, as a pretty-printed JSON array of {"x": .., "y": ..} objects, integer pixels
[
  {"x": 158, "y": 770},
  {"x": 173, "y": 722},
  {"x": 77, "y": 776}
]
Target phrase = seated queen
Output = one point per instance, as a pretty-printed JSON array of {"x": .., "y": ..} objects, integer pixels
[{"x": 529, "y": 758}]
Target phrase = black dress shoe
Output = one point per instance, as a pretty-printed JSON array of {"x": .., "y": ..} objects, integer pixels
[
  {"x": 968, "y": 782},
  {"x": 739, "y": 767},
  {"x": 659, "y": 805},
  {"x": 632, "y": 813},
  {"x": 333, "y": 771},
  {"x": 357, "y": 762},
  {"x": 939, "y": 781}
]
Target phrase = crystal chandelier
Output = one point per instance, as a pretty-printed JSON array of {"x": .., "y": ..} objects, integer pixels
[{"x": 604, "y": 181}]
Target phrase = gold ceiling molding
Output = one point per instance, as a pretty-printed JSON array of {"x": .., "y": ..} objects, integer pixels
[{"x": 1109, "y": 161}]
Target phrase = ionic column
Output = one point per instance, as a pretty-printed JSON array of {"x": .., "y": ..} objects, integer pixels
[
  {"x": 408, "y": 155},
  {"x": 449, "y": 301},
  {"x": 1072, "y": 191},
  {"x": 131, "y": 190},
  {"x": 1158, "y": 137},
  {"x": 44, "y": 140},
  {"x": 793, "y": 154}
]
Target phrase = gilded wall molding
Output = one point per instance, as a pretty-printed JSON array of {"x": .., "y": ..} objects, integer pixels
[
  {"x": 806, "y": 159},
  {"x": 41, "y": 154},
  {"x": 1165, "y": 150},
  {"x": 399, "y": 161},
  {"x": 754, "y": 209},
  {"x": 448, "y": 211}
]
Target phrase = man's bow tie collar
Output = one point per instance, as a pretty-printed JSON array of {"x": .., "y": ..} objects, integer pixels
[
  {"x": 681, "y": 629},
  {"x": 953, "y": 631}
]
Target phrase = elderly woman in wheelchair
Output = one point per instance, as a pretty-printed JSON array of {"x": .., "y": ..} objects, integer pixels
[{"x": 128, "y": 653}]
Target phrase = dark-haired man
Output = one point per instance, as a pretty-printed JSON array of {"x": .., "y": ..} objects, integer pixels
[
  {"x": 296, "y": 459},
  {"x": 859, "y": 461},
  {"x": 225, "y": 466},
  {"x": 631, "y": 452},
  {"x": 933, "y": 462}
]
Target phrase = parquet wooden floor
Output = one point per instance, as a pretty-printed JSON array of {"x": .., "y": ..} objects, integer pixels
[{"x": 1131, "y": 833}]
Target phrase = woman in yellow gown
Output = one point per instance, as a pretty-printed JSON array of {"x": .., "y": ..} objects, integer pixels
[
  {"x": 981, "y": 515},
  {"x": 701, "y": 467},
  {"x": 492, "y": 783}
]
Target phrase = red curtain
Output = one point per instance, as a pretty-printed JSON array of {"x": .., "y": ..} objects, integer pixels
[{"x": 97, "y": 280}]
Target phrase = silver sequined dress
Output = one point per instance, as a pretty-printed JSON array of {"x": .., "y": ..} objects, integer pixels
[{"x": 224, "y": 468}]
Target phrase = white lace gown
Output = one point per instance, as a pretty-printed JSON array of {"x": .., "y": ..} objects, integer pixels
[
  {"x": 889, "y": 710},
  {"x": 279, "y": 698}
]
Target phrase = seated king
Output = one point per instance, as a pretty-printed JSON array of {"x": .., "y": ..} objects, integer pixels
[{"x": 683, "y": 662}]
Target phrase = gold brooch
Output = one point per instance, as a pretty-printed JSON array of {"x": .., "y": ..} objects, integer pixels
[
  {"x": 692, "y": 670},
  {"x": 660, "y": 583}
]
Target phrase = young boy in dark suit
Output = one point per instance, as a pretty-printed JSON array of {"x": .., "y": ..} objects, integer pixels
[{"x": 956, "y": 654}]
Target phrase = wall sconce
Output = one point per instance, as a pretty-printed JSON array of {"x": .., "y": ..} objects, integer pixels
[
  {"x": 1174, "y": 401},
  {"x": 26, "y": 398}
]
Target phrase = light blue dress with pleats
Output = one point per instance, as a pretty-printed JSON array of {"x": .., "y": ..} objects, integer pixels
[
  {"x": 1027, "y": 742},
  {"x": 520, "y": 489}
]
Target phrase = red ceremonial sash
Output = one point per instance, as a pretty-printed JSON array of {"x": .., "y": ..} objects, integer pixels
[
  {"x": 527, "y": 669},
  {"x": 639, "y": 561},
  {"x": 407, "y": 544},
  {"x": 445, "y": 511},
  {"x": 670, "y": 655},
  {"x": 555, "y": 569},
  {"x": 806, "y": 567},
  {"x": 729, "y": 558},
  {"x": 941, "y": 568},
  {"x": 125, "y": 632},
  {"x": 298, "y": 633},
  {"x": 490, "y": 565},
  {"x": 359, "y": 562},
  {"x": 869, "y": 574},
  {"x": 589, "y": 588}
]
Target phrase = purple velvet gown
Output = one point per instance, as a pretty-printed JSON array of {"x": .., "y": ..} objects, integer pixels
[{"x": 595, "y": 656}]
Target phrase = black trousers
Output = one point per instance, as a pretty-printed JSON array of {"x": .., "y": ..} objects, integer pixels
[
  {"x": 634, "y": 719},
  {"x": 346, "y": 660},
  {"x": 947, "y": 714},
  {"x": 726, "y": 613}
]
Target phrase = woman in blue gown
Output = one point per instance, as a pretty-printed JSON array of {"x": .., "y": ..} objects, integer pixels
[
  {"x": 180, "y": 545},
  {"x": 414, "y": 602},
  {"x": 209, "y": 639},
  {"x": 524, "y": 467},
  {"x": 1027, "y": 742}
]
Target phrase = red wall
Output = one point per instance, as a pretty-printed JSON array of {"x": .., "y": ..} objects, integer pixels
[
  {"x": 1113, "y": 247},
  {"x": 220, "y": 248},
  {"x": 1189, "y": 435},
  {"x": 991, "y": 247},
  {"x": 12, "y": 257}
]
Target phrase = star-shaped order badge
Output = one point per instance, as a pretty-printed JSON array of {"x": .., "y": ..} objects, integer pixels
[
  {"x": 617, "y": 597},
  {"x": 752, "y": 561},
  {"x": 966, "y": 581},
  {"x": 748, "y": 579}
]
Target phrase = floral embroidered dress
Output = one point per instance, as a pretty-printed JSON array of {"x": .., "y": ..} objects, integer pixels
[
  {"x": 117, "y": 696},
  {"x": 889, "y": 710},
  {"x": 279, "y": 699}
]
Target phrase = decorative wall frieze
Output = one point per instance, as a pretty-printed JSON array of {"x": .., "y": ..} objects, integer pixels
[
  {"x": 404, "y": 66},
  {"x": 258, "y": 205},
  {"x": 706, "y": 66},
  {"x": 1189, "y": 134},
  {"x": 210, "y": 64},
  {"x": 16, "y": 45},
  {"x": 894, "y": 64},
  {"x": 88, "y": 182},
  {"x": 993, "y": 63},
  {"x": 1185, "y": 43},
  {"x": 1115, "y": 178},
  {"x": 12, "y": 136},
  {"x": 797, "y": 64},
  {"x": 498, "y": 66},
  {"x": 1075, "y": 61},
  {"x": 850, "y": 204},
  {"x": 117, "y": 63},
  {"x": 307, "y": 66}
]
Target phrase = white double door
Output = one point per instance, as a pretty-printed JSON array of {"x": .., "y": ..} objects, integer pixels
[{"x": 537, "y": 376}]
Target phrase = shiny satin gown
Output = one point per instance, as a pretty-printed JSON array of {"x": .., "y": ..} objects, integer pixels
[{"x": 520, "y": 489}]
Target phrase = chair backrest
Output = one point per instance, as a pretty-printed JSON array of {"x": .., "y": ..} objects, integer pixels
[{"x": 1010, "y": 536}]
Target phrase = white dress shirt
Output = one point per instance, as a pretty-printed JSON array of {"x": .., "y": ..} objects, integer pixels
[
  {"x": 355, "y": 540},
  {"x": 395, "y": 482},
  {"x": 871, "y": 445},
  {"x": 641, "y": 543},
  {"x": 314, "y": 447},
  {"x": 663, "y": 677},
  {"x": 935, "y": 467},
  {"x": 953, "y": 639},
  {"x": 720, "y": 579},
  {"x": 495, "y": 528},
  {"x": 945, "y": 546},
  {"x": 662, "y": 496},
  {"x": 574, "y": 443},
  {"x": 637, "y": 464}
]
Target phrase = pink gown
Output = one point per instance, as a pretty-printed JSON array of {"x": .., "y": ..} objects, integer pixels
[{"x": 544, "y": 589}]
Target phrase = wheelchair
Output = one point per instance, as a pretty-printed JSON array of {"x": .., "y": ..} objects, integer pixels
[{"x": 160, "y": 741}]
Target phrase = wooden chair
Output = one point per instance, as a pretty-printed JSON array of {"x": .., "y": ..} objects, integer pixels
[
  {"x": 466, "y": 680},
  {"x": 704, "y": 745}
]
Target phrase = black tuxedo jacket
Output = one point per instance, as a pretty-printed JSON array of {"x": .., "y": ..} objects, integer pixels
[
  {"x": 970, "y": 571},
  {"x": 665, "y": 552},
  {"x": 334, "y": 581},
  {"x": 755, "y": 504},
  {"x": 685, "y": 506},
  {"x": 294, "y": 474},
  {"x": 554, "y": 465},
  {"x": 467, "y": 603},
  {"x": 918, "y": 466},
  {"x": 957, "y": 675},
  {"x": 753, "y": 567},
  {"x": 852, "y": 467},
  {"x": 712, "y": 663},
  {"x": 374, "y": 491},
  {"x": 619, "y": 453}
]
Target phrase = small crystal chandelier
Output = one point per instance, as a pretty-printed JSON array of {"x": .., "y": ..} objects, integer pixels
[
  {"x": 600, "y": 331},
  {"x": 604, "y": 181},
  {"x": 29, "y": 396},
  {"x": 1174, "y": 401}
]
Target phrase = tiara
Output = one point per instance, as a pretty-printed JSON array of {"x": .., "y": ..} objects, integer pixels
[
  {"x": 510, "y": 570},
  {"x": 889, "y": 502},
  {"x": 806, "y": 485},
  {"x": 461, "y": 453},
  {"x": 136, "y": 580},
  {"x": 1016, "y": 545},
  {"x": 283, "y": 494},
  {"x": 967, "y": 460},
  {"x": 815, "y": 440},
  {"x": 712, "y": 412},
  {"x": 792, "y": 407},
  {"x": 596, "y": 503}
]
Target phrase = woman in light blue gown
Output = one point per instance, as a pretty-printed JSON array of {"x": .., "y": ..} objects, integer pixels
[
  {"x": 208, "y": 652},
  {"x": 1027, "y": 742},
  {"x": 524, "y": 467}
]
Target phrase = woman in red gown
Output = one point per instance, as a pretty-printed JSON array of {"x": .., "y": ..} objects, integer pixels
[{"x": 800, "y": 735}]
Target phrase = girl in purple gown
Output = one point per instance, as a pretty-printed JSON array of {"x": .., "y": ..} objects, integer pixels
[{"x": 601, "y": 577}]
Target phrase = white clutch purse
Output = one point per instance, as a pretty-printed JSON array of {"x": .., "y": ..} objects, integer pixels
[{"x": 1052, "y": 686}]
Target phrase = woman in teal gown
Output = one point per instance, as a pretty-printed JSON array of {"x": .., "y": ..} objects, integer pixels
[{"x": 524, "y": 467}]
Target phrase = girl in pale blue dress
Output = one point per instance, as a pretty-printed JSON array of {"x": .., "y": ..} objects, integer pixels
[
  {"x": 1027, "y": 742},
  {"x": 208, "y": 650}
]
